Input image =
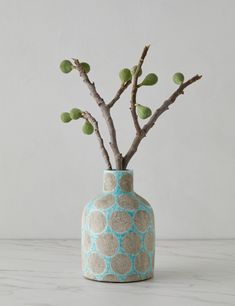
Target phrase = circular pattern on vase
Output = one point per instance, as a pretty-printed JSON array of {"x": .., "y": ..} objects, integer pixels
[
  {"x": 133, "y": 278},
  {"x": 131, "y": 243},
  {"x": 127, "y": 202},
  {"x": 126, "y": 182},
  {"x": 118, "y": 233},
  {"x": 107, "y": 244},
  {"x": 120, "y": 221},
  {"x": 142, "y": 262},
  {"x": 142, "y": 200},
  {"x": 96, "y": 263},
  {"x": 149, "y": 241},
  {"x": 111, "y": 278},
  {"x": 97, "y": 222},
  {"x": 105, "y": 202},
  {"x": 121, "y": 264},
  {"x": 109, "y": 182},
  {"x": 86, "y": 241},
  {"x": 142, "y": 220}
]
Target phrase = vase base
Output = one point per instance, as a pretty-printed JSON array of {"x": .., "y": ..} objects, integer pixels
[{"x": 114, "y": 279}]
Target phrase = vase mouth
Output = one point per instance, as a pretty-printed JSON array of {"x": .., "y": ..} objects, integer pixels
[{"x": 116, "y": 171}]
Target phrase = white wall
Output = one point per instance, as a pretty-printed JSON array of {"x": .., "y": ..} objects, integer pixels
[{"x": 185, "y": 167}]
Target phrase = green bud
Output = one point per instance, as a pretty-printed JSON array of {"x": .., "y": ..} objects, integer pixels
[
  {"x": 87, "y": 128},
  {"x": 75, "y": 113},
  {"x": 178, "y": 78},
  {"x": 133, "y": 70},
  {"x": 125, "y": 75},
  {"x": 143, "y": 111},
  {"x": 66, "y": 66},
  {"x": 65, "y": 117},
  {"x": 150, "y": 79},
  {"x": 86, "y": 67}
]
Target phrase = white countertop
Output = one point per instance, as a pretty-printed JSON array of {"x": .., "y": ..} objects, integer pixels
[{"x": 47, "y": 273}]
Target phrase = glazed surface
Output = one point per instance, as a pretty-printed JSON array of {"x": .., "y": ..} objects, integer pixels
[{"x": 118, "y": 238}]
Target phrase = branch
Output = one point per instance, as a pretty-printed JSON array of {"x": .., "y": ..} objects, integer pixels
[
  {"x": 118, "y": 94},
  {"x": 94, "y": 122},
  {"x": 165, "y": 106},
  {"x": 105, "y": 112},
  {"x": 134, "y": 91},
  {"x": 154, "y": 117},
  {"x": 91, "y": 85}
]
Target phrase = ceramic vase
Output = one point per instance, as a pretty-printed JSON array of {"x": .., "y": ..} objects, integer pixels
[{"x": 118, "y": 237}]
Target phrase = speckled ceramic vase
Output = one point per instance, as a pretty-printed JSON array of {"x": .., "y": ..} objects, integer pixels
[{"x": 118, "y": 239}]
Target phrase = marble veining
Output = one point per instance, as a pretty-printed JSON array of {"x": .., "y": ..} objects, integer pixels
[{"x": 47, "y": 273}]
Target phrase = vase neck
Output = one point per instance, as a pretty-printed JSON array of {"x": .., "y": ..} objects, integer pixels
[{"x": 118, "y": 181}]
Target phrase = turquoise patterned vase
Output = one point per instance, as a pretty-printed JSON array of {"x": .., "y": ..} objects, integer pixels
[{"x": 118, "y": 239}]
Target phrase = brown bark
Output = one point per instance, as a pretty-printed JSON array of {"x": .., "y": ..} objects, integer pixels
[
  {"x": 118, "y": 94},
  {"x": 86, "y": 115},
  {"x": 105, "y": 112},
  {"x": 135, "y": 89}
]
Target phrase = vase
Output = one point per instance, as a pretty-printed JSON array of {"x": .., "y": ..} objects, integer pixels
[{"x": 118, "y": 237}]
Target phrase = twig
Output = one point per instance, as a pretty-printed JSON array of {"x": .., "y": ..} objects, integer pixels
[
  {"x": 90, "y": 85},
  {"x": 165, "y": 106},
  {"x": 118, "y": 94},
  {"x": 86, "y": 115},
  {"x": 134, "y": 91},
  {"x": 105, "y": 112}
]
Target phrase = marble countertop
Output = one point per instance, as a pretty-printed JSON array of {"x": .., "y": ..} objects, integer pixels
[{"x": 47, "y": 273}]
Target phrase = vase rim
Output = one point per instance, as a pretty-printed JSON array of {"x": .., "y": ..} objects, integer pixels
[{"x": 115, "y": 170}]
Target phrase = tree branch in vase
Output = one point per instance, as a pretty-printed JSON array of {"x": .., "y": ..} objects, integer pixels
[{"x": 128, "y": 77}]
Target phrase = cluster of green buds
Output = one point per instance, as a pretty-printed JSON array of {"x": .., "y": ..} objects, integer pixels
[
  {"x": 150, "y": 79},
  {"x": 66, "y": 66},
  {"x": 75, "y": 114},
  {"x": 125, "y": 76}
]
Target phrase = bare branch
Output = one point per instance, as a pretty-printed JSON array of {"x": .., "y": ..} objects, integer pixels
[
  {"x": 105, "y": 112},
  {"x": 91, "y": 85},
  {"x": 154, "y": 117},
  {"x": 118, "y": 94},
  {"x": 86, "y": 115},
  {"x": 168, "y": 102},
  {"x": 134, "y": 90}
]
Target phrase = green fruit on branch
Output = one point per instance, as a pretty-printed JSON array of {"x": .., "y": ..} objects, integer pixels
[
  {"x": 178, "y": 78},
  {"x": 125, "y": 75},
  {"x": 143, "y": 111},
  {"x": 66, "y": 66},
  {"x": 86, "y": 67},
  {"x": 87, "y": 128},
  {"x": 75, "y": 113},
  {"x": 150, "y": 79},
  {"x": 65, "y": 117},
  {"x": 133, "y": 70}
]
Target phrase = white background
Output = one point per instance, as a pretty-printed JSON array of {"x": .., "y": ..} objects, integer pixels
[{"x": 185, "y": 167}]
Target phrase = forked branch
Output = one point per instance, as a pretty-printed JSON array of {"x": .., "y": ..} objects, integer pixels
[
  {"x": 86, "y": 115},
  {"x": 125, "y": 76},
  {"x": 165, "y": 106},
  {"x": 105, "y": 112},
  {"x": 135, "y": 89}
]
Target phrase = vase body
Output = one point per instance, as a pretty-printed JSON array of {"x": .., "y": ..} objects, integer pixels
[{"x": 118, "y": 237}]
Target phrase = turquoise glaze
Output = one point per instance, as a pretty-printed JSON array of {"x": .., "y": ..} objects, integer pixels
[{"x": 118, "y": 238}]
